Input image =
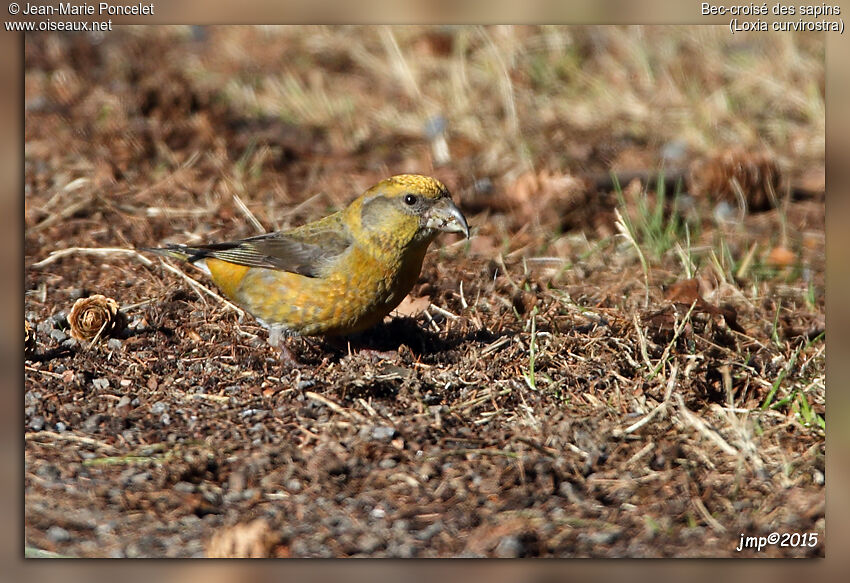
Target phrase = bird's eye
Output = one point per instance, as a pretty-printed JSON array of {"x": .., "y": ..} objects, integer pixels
[{"x": 410, "y": 199}]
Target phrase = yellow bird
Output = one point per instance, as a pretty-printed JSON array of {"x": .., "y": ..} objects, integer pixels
[{"x": 338, "y": 275}]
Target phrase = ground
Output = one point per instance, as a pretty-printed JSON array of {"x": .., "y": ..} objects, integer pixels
[{"x": 626, "y": 359}]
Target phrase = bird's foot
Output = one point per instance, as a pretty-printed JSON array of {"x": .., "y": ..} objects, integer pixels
[
  {"x": 373, "y": 354},
  {"x": 277, "y": 338},
  {"x": 287, "y": 357}
]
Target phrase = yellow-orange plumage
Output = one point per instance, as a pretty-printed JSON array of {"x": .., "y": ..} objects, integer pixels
[{"x": 341, "y": 274}]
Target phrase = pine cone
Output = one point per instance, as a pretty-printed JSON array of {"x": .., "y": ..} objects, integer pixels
[
  {"x": 29, "y": 338},
  {"x": 719, "y": 178},
  {"x": 89, "y": 315}
]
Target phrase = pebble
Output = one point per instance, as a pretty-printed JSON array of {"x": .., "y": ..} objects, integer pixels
[
  {"x": 37, "y": 423},
  {"x": 91, "y": 424},
  {"x": 58, "y": 335},
  {"x": 510, "y": 547},
  {"x": 429, "y": 531},
  {"x": 140, "y": 478},
  {"x": 57, "y": 534},
  {"x": 60, "y": 427},
  {"x": 101, "y": 383},
  {"x": 113, "y": 344},
  {"x": 602, "y": 538},
  {"x": 159, "y": 407},
  {"x": 404, "y": 551},
  {"x": 185, "y": 487},
  {"x": 369, "y": 543},
  {"x": 383, "y": 433}
]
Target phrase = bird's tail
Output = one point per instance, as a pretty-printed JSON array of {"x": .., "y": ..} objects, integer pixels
[{"x": 179, "y": 252}]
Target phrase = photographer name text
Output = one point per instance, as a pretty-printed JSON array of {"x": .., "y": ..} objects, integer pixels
[{"x": 99, "y": 9}]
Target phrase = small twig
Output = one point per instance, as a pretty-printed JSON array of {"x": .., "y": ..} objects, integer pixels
[
  {"x": 671, "y": 383},
  {"x": 330, "y": 404},
  {"x": 642, "y": 452},
  {"x": 38, "y": 435},
  {"x": 248, "y": 214},
  {"x": 368, "y": 407},
  {"x": 64, "y": 213},
  {"x": 431, "y": 321},
  {"x": 54, "y": 255},
  {"x": 541, "y": 448},
  {"x": 495, "y": 345},
  {"x": 478, "y": 451},
  {"x": 700, "y": 426},
  {"x": 709, "y": 519},
  {"x": 444, "y": 312}
]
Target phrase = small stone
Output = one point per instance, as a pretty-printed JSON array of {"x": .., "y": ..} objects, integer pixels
[
  {"x": 91, "y": 424},
  {"x": 429, "y": 531},
  {"x": 159, "y": 407},
  {"x": 60, "y": 427},
  {"x": 387, "y": 464},
  {"x": 57, "y": 534},
  {"x": 165, "y": 419},
  {"x": 58, "y": 335},
  {"x": 603, "y": 538},
  {"x": 32, "y": 398},
  {"x": 140, "y": 478},
  {"x": 113, "y": 344},
  {"x": 37, "y": 423},
  {"x": 293, "y": 485},
  {"x": 383, "y": 433},
  {"x": 510, "y": 547},
  {"x": 184, "y": 487},
  {"x": 369, "y": 543}
]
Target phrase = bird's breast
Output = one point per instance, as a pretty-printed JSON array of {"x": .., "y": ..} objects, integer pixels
[{"x": 354, "y": 293}]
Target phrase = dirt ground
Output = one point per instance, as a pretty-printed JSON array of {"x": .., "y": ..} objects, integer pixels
[{"x": 626, "y": 359}]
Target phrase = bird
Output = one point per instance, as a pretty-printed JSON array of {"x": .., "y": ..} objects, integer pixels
[{"x": 339, "y": 275}]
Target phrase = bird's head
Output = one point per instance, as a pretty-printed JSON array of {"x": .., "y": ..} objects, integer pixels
[{"x": 408, "y": 208}]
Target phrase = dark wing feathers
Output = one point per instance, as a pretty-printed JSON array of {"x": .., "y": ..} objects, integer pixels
[{"x": 305, "y": 250}]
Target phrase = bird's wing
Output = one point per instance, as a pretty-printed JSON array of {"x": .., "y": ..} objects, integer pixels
[{"x": 305, "y": 250}]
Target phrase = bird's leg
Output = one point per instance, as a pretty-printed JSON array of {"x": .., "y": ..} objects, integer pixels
[{"x": 277, "y": 338}]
